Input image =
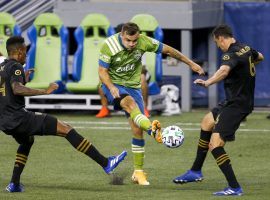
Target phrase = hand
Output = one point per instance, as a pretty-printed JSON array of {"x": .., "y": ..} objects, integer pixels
[
  {"x": 197, "y": 68},
  {"x": 201, "y": 82},
  {"x": 114, "y": 92},
  {"x": 27, "y": 74},
  {"x": 52, "y": 87}
]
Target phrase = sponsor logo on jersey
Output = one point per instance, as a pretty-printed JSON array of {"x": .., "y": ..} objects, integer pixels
[
  {"x": 126, "y": 68},
  {"x": 18, "y": 72}
]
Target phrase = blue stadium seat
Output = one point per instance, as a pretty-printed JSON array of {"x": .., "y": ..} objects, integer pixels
[
  {"x": 48, "y": 52},
  {"x": 90, "y": 35}
]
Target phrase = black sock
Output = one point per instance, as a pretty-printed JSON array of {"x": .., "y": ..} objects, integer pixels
[
  {"x": 21, "y": 159},
  {"x": 202, "y": 150},
  {"x": 84, "y": 146},
  {"x": 224, "y": 163}
]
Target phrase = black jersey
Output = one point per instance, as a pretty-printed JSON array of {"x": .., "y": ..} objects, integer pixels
[
  {"x": 11, "y": 106},
  {"x": 239, "y": 85}
]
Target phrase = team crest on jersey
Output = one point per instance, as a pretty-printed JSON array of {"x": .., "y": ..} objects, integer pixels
[
  {"x": 226, "y": 57},
  {"x": 18, "y": 72},
  {"x": 137, "y": 55}
]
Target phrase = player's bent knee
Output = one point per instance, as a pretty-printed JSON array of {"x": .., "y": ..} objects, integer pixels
[{"x": 63, "y": 128}]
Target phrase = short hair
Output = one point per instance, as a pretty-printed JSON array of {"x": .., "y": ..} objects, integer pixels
[
  {"x": 223, "y": 30},
  {"x": 119, "y": 27},
  {"x": 130, "y": 28},
  {"x": 14, "y": 43}
]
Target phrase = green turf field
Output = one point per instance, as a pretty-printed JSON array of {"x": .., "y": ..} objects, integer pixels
[{"x": 57, "y": 171}]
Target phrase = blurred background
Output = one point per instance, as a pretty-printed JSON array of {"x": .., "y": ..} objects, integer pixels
[{"x": 64, "y": 37}]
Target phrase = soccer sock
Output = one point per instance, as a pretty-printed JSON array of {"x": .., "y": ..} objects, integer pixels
[
  {"x": 138, "y": 153},
  {"x": 140, "y": 120},
  {"x": 224, "y": 163},
  {"x": 84, "y": 146},
  {"x": 201, "y": 150},
  {"x": 21, "y": 159}
]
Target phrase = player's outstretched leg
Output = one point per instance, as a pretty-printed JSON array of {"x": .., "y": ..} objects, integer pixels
[
  {"x": 83, "y": 145},
  {"x": 144, "y": 123}
]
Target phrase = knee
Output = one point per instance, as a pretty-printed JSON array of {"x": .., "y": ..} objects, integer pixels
[
  {"x": 128, "y": 104},
  {"x": 63, "y": 128},
  {"x": 208, "y": 123}
]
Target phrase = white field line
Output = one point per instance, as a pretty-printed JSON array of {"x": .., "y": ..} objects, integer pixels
[
  {"x": 126, "y": 123},
  {"x": 84, "y": 125}
]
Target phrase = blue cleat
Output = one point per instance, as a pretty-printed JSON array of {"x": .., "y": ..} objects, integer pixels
[
  {"x": 189, "y": 176},
  {"x": 113, "y": 161},
  {"x": 12, "y": 187},
  {"x": 229, "y": 191}
]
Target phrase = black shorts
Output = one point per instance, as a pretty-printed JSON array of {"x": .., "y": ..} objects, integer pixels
[
  {"x": 34, "y": 123},
  {"x": 227, "y": 121}
]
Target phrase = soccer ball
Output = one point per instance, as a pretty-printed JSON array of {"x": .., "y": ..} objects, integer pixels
[{"x": 173, "y": 136}]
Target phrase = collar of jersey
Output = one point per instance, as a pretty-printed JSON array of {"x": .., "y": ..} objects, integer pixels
[{"x": 120, "y": 41}]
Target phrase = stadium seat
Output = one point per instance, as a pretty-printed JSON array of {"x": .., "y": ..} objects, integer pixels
[
  {"x": 48, "y": 52},
  {"x": 150, "y": 27},
  {"x": 8, "y": 28},
  {"x": 90, "y": 35}
]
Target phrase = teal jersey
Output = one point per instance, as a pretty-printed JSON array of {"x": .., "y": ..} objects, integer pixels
[{"x": 124, "y": 66}]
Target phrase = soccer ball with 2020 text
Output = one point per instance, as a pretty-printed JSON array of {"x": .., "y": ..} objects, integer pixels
[{"x": 173, "y": 136}]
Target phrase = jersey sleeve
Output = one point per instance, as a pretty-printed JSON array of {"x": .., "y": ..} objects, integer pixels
[
  {"x": 229, "y": 59},
  {"x": 152, "y": 45},
  {"x": 17, "y": 74},
  {"x": 105, "y": 56}
]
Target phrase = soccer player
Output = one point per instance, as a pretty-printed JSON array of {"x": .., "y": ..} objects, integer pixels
[
  {"x": 145, "y": 79},
  {"x": 23, "y": 125},
  {"x": 219, "y": 126},
  {"x": 120, "y": 70}
]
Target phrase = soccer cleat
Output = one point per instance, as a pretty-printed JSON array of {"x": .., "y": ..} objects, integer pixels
[
  {"x": 146, "y": 113},
  {"x": 156, "y": 131},
  {"x": 113, "y": 161},
  {"x": 139, "y": 177},
  {"x": 12, "y": 187},
  {"x": 229, "y": 191},
  {"x": 189, "y": 176},
  {"x": 104, "y": 112}
]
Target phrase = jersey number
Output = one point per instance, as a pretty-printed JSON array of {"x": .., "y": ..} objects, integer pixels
[
  {"x": 251, "y": 67},
  {"x": 2, "y": 87}
]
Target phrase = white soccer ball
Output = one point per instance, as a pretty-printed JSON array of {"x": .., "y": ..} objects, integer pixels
[{"x": 173, "y": 136}]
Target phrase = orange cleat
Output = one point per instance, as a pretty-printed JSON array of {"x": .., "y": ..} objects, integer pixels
[
  {"x": 146, "y": 113},
  {"x": 104, "y": 112},
  {"x": 156, "y": 131}
]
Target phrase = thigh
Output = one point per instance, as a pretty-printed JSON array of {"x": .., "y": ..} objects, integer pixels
[
  {"x": 35, "y": 123},
  {"x": 110, "y": 98},
  {"x": 227, "y": 122}
]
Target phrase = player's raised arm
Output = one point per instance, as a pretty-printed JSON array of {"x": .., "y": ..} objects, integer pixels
[{"x": 170, "y": 51}]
